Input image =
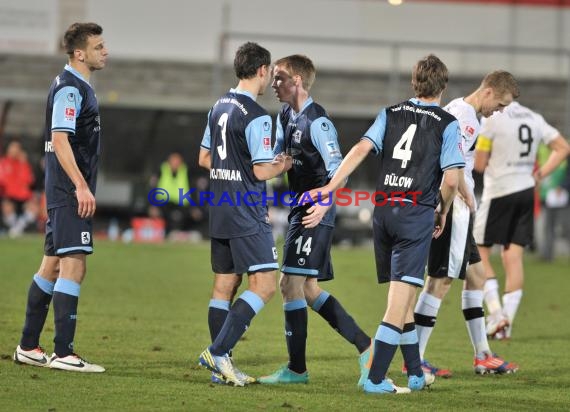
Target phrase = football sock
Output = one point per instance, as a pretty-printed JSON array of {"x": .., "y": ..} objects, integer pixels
[
  {"x": 491, "y": 296},
  {"x": 217, "y": 313},
  {"x": 425, "y": 317},
  {"x": 410, "y": 350},
  {"x": 386, "y": 342},
  {"x": 241, "y": 313},
  {"x": 39, "y": 298},
  {"x": 296, "y": 333},
  {"x": 332, "y": 311},
  {"x": 65, "y": 300},
  {"x": 511, "y": 302},
  {"x": 472, "y": 305}
]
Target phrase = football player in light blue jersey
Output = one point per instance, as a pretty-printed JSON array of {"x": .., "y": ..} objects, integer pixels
[
  {"x": 418, "y": 142},
  {"x": 305, "y": 131},
  {"x": 236, "y": 148}
]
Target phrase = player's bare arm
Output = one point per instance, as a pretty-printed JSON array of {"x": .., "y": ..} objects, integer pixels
[
  {"x": 64, "y": 153},
  {"x": 447, "y": 194},
  {"x": 560, "y": 151},
  {"x": 205, "y": 159},
  {"x": 352, "y": 160},
  {"x": 280, "y": 164}
]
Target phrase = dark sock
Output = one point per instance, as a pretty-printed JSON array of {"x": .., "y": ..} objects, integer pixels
[
  {"x": 332, "y": 311},
  {"x": 385, "y": 345},
  {"x": 237, "y": 322},
  {"x": 39, "y": 298},
  {"x": 296, "y": 334},
  {"x": 65, "y": 300},
  {"x": 411, "y": 349},
  {"x": 217, "y": 314}
]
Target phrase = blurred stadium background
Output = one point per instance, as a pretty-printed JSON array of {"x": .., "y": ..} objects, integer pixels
[{"x": 170, "y": 60}]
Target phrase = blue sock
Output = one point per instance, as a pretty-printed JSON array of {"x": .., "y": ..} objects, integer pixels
[
  {"x": 217, "y": 313},
  {"x": 332, "y": 311},
  {"x": 411, "y": 350},
  {"x": 39, "y": 298},
  {"x": 65, "y": 300},
  {"x": 296, "y": 334},
  {"x": 386, "y": 343},
  {"x": 237, "y": 322}
]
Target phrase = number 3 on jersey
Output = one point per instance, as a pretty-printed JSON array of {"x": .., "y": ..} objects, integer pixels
[
  {"x": 404, "y": 153},
  {"x": 306, "y": 247},
  {"x": 222, "y": 149}
]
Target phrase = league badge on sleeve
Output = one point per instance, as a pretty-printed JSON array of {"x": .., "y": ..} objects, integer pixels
[
  {"x": 267, "y": 143},
  {"x": 69, "y": 114}
]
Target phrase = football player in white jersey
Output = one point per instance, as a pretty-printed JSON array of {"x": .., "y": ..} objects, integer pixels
[
  {"x": 506, "y": 151},
  {"x": 454, "y": 254}
]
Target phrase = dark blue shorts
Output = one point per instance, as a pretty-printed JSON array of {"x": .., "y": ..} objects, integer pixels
[
  {"x": 255, "y": 253},
  {"x": 402, "y": 236},
  {"x": 67, "y": 233},
  {"x": 307, "y": 252}
]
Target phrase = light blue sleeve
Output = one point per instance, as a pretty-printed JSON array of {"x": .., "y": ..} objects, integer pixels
[
  {"x": 207, "y": 137},
  {"x": 258, "y": 136},
  {"x": 325, "y": 138},
  {"x": 66, "y": 108},
  {"x": 377, "y": 131},
  {"x": 451, "y": 154},
  {"x": 279, "y": 137}
]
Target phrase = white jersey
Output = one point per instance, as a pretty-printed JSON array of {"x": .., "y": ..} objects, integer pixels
[
  {"x": 469, "y": 125},
  {"x": 515, "y": 135}
]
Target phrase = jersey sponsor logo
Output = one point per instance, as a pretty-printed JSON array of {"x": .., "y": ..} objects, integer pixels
[
  {"x": 225, "y": 174},
  {"x": 398, "y": 181},
  {"x": 267, "y": 143},
  {"x": 69, "y": 113},
  {"x": 297, "y": 136},
  {"x": 333, "y": 149},
  {"x": 85, "y": 238}
]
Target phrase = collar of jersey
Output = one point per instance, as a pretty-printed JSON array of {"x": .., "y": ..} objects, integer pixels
[
  {"x": 417, "y": 101},
  {"x": 75, "y": 73},
  {"x": 244, "y": 92},
  {"x": 307, "y": 103}
]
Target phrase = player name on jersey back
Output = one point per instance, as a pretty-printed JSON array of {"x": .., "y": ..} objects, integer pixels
[{"x": 225, "y": 174}]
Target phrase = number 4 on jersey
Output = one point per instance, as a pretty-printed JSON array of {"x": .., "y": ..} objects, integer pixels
[{"x": 404, "y": 153}]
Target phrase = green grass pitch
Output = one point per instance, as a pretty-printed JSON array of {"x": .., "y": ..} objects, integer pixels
[{"x": 143, "y": 315}]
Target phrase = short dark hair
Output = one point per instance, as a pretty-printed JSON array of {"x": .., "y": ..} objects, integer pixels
[
  {"x": 502, "y": 82},
  {"x": 429, "y": 77},
  {"x": 77, "y": 34},
  {"x": 250, "y": 57},
  {"x": 298, "y": 64}
]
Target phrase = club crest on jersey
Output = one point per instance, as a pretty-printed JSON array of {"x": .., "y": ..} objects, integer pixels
[
  {"x": 266, "y": 126},
  {"x": 85, "y": 238},
  {"x": 69, "y": 113},
  {"x": 70, "y": 97},
  {"x": 267, "y": 143},
  {"x": 324, "y": 126},
  {"x": 297, "y": 136}
]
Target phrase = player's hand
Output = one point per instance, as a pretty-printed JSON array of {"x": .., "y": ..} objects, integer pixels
[
  {"x": 439, "y": 224},
  {"x": 86, "y": 203},
  {"x": 320, "y": 194},
  {"x": 537, "y": 175},
  {"x": 284, "y": 160},
  {"x": 314, "y": 215}
]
